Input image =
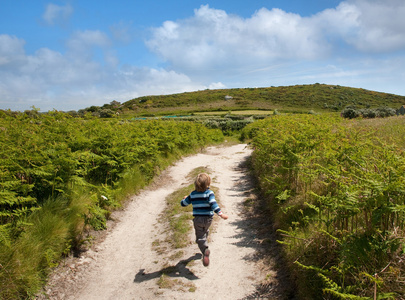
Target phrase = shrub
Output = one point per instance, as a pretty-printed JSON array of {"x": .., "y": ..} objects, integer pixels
[
  {"x": 107, "y": 113},
  {"x": 351, "y": 112}
]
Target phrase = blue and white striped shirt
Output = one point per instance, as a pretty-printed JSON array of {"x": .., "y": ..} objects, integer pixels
[{"x": 204, "y": 203}]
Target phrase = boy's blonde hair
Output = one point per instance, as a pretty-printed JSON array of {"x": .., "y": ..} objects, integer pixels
[{"x": 202, "y": 182}]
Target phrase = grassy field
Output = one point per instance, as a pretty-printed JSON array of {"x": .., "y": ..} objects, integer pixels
[{"x": 236, "y": 112}]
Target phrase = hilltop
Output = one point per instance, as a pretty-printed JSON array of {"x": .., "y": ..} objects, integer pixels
[{"x": 298, "y": 98}]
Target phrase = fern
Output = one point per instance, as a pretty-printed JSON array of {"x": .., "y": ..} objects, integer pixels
[
  {"x": 344, "y": 181},
  {"x": 66, "y": 165},
  {"x": 5, "y": 238}
]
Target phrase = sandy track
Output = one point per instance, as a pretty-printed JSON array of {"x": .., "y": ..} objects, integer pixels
[{"x": 124, "y": 265}]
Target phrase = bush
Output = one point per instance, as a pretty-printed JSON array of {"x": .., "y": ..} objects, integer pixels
[
  {"x": 350, "y": 112},
  {"x": 106, "y": 113},
  {"x": 383, "y": 112}
]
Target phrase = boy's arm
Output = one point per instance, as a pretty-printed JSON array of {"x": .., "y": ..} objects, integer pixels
[
  {"x": 186, "y": 201},
  {"x": 215, "y": 207},
  {"x": 222, "y": 215}
]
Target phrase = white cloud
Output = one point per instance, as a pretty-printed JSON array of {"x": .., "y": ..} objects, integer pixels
[
  {"x": 371, "y": 26},
  {"x": 11, "y": 50},
  {"x": 212, "y": 39},
  {"x": 381, "y": 25},
  {"x": 148, "y": 80},
  {"x": 216, "y": 86},
  {"x": 340, "y": 22},
  {"x": 55, "y": 14},
  {"x": 82, "y": 42},
  {"x": 51, "y": 80}
]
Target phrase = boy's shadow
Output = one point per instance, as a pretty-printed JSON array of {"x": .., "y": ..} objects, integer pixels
[{"x": 179, "y": 270}]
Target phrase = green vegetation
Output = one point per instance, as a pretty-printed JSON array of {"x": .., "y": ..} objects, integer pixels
[
  {"x": 286, "y": 99},
  {"x": 351, "y": 112},
  {"x": 228, "y": 124},
  {"x": 298, "y": 99},
  {"x": 62, "y": 176},
  {"x": 334, "y": 186},
  {"x": 178, "y": 218},
  {"x": 237, "y": 112},
  {"x": 165, "y": 282},
  {"x": 335, "y": 189}
]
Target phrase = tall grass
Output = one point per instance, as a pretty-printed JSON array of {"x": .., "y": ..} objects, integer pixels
[
  {"x": 51, "y": 233},
  {"x": 391, "y": 130}
]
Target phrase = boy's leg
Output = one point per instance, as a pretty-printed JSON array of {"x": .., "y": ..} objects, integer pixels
[{"x": 201, "y": 226}]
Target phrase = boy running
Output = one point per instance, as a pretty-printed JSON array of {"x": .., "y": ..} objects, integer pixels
[{"x": 204, "y": 207}]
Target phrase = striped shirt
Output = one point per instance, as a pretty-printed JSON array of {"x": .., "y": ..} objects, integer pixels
[{"x": 204, "y": 203}]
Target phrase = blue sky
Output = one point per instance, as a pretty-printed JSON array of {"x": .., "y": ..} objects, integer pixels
[{"x": 69, "y": 55}]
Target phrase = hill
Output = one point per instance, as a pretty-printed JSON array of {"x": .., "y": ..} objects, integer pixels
[{"x": 298, "y": 98}]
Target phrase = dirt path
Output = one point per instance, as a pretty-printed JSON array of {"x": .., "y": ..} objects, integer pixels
[{"x": 124, "y": 265}]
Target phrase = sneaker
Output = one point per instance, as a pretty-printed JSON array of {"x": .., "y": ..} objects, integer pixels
[{"x": 206, "y": 257}]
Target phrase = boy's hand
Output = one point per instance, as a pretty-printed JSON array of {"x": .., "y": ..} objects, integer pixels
[{"x": 224, "y": 216}]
